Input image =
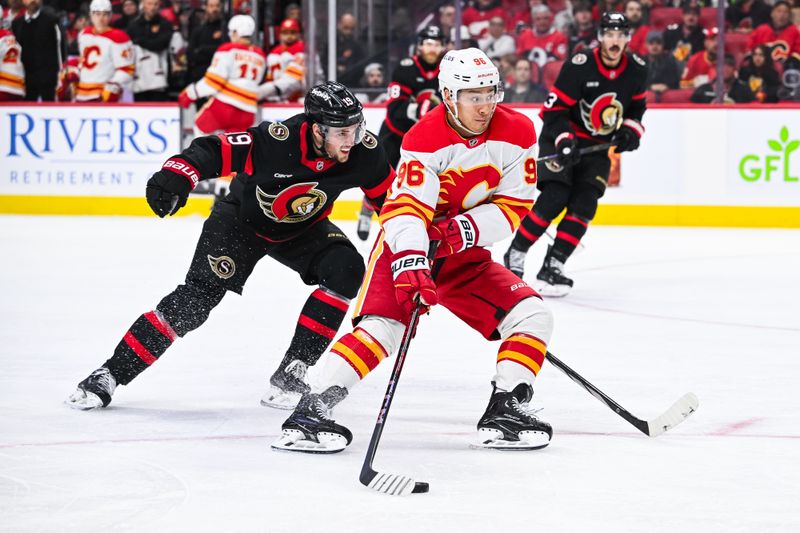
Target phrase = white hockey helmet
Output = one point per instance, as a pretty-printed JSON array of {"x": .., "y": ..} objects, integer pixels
[
  {"x": 100, "y": 5},
  {"x": 469, "y": 68},
  {"x": 243, "y": 25}
]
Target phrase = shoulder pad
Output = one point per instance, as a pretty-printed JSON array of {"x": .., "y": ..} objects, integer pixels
[
  {"x": 673, "y": 26},
  {"x": 579, "y": 59},
  {"x": 278, "y": 131},
  {"x": 636, "y": 57},
  {"x": 369, "y": 141},
  {"x": 407, "y": 62}
]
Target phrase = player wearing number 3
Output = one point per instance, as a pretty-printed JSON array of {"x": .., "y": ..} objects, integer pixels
[{"x": 467, "y": 175}]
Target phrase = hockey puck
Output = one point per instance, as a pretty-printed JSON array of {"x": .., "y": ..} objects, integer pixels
[{"x": 420, "y": 487}]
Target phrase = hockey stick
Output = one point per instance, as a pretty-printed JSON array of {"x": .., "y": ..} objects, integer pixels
[
  {"x": 394, "y": 484},
  {"x": 680, "y": 410},
  {"x": 583, "y": 151}
]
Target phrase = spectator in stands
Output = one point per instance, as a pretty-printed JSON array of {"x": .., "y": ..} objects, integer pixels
[
  {"x": 524, "y": 90},
  {"x": 293, "y": 11},
  {"x": 476, "y": 17},
  {"x": 639, "y": 31},
  {"x": 130, "y": 10},
  {"x": 43, "y": 50},
  {"x": 506, "y": 65},
  {"x": 746, "y": 15},
  {"x": 350, "y": 53},
  {"x": 524, "y": 18},
  {"x": 205, "y": 39},
  {"x": 12, "y": 73},
  {"x": 80, "y": 22},
  {"x": 700, "y": 66},
  {"x": 759, "y": 73},
  {"x": 497, "y": 42},
  {"x": 447, "y": 21},
  {"x": 779, "y": 34},
  {"x": 607, "y": 6},
  {"x": 686, "y": 39},
  {"x": 663, "y": 70},
  {"x": 14, "y": 11},
  {"x": 151, "y": 35},
  {"x": 542, "y": 43},
  {"x": 286, "y": 65},
  {"x": 736, "y": 91},
  {"x": 582, "y": 33},
  {"x": 374, "y": 80}
]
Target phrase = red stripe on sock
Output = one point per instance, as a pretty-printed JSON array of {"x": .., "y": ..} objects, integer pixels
[
  {"x": 576, "y": 219},
  {"x": 567, "y": 237},
  {"x": 538, "y": 220},
  {"x": 139, "y": 349},
  {"x": 361, "y": 350},
  {"x": 330, "y": 299},
  {"x": 316, "y": 327},
  {"x": 528, "y": 235},
  {"x": 163, "y": 328}
]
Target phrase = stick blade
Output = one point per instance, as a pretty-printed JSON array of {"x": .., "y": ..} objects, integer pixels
[
  {"x": 396, "y": 485},
  {"x": 680, "y": 411}
]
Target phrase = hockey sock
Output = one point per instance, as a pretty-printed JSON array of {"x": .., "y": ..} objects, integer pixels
[
  {"x": 532, "y": 227},
  {"x": 146, "y": 340},
  {"x": 351, "y": 358},
  {"x": 317, "y": 326},
  {"x": 570, "y": 231},
  {"x": 519, "y": 360}
]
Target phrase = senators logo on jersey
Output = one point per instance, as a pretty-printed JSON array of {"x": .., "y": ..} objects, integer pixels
[
  {"x": 295, "y": 204},
  {"x": 603, "y": 116}
]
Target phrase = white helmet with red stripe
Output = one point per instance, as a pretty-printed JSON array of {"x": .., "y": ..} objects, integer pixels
[{"x": 470, "y": 68}]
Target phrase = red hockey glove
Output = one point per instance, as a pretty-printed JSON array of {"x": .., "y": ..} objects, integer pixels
[
  {"x": 112, "y": 92},
  {"x": 627, "y": 138},
  {"x": 169, "y": 188},
  {"x": 412, "y": 277},
  {"x": 455, "y": 235},
  {"x": 184, "y": 100}
]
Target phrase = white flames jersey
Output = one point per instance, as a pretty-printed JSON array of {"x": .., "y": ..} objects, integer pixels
[
  {"x": 105, "y": 58},
  {"x": 286, "y": 68},
  {"x": 12, "y": 73},
  {"x": 490, "y": 177},
  {"x": 234, "y": 75}
]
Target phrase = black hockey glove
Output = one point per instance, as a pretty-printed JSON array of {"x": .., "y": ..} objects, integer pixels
[
  {"x": 169, "y": 188},
  {"x": 626, "y": 140},
  {"x": 567, "y": 149}
]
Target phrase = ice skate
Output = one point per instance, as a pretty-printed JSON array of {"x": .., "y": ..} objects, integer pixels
[
  {"x": 551, "y": 281},
  {"x": 94, "y": 391},
  {"x": 310, "y": 429},
  {"x": 286, "y": 386},
  {"x": 514, "y": 260},
  {"x": 509, "y": 424},
  {"x": 364, "y": 223}
]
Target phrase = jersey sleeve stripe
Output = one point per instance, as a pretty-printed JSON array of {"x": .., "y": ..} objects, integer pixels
[
  {"x": 404, "y": 88},
  {"x": 640, "y": 96},
  {"x": 513, "y": 215},
  {"x": 225, "y": 153},
  {"x": 399, "y": 211},
  {"x": 381, "y": 188},
  {"x": 562, "y": 96}
]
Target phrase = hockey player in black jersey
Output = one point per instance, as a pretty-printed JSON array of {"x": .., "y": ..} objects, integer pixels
[
  {"x": 412, "y": 92},
  {"x": 288, "y": 175},
  {"x": 598, "y": 97}
]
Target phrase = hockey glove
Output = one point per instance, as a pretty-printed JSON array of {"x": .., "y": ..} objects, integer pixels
[
  {"x": 567, "y": 149},
  {"x": 169, "y": 188},
  {"x": 455, "y": 235},
  {"x": 627, "y": 138},
  {"x": 185, "y": 97},
  {"x": 112, "y": 92},
  {"x": 426, "y": 100},
  {"x": 412, "y": 277}
]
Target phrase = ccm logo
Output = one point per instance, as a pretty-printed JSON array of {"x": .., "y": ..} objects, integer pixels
[
  {"x": 412, "y": 262},
  {"x": 183, "y": 168}
]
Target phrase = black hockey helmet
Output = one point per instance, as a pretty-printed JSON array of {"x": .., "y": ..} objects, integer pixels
[
  {"x": 431, "y": 32},
  {"x": 614, "y": 21},
  {"x": 334, "y": 105}
]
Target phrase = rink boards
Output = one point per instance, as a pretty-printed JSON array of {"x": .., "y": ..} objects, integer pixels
[{"x": 697, "y": 166}]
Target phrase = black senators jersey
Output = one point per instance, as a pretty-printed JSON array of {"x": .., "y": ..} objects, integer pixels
[
  {"x": 411, "y": 78},
  {"x": 594, "y": 101},
  {"x": 281, "y": 188}
]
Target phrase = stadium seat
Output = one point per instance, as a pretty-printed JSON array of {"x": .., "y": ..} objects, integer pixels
[
  {"x": 736, "y": 43},
  {"x": 661, "y": 17},
  {"x": 550, "y": 73},
  {"x": 708, "y": 18},
  {"x": 651, "y": 97},
  {"x": 676, "y": 96}
]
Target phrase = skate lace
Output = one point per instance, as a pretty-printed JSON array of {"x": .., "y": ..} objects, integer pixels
[
  {"x": 103, "y": 379},
  {"x": 524, "y": 408},
  {"x": 297, "y": 368},
  {"x": 516, "y": 259},
  {"x": 322, "y": 411}
]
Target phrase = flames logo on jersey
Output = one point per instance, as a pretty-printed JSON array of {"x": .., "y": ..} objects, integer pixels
[
  {"x": 779, "y": 50},
  {"x": 603, "y": 116},
  {"x": 462, "y": 189},
  {"x": 295, "y": 204}
]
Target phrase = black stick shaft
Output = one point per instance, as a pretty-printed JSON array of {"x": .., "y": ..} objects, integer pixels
[{"x": 589, "y": 150}]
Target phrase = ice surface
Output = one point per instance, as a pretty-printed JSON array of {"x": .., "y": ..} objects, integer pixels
[{"x": 655, "y": 313}]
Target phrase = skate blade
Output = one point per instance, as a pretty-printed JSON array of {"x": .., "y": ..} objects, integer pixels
[
  {"x": 280, "y": 399},
  {"x": 551, "y": 291},
  {"x": 294, "y": 441},
  {"x": 83, "y": 401},
  {"x": 492, "y": 439}
]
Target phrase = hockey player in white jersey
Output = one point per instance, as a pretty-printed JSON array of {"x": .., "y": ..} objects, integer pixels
[
  {"x": 466, "y": 177},
  {"x": 232, "y": 80},
  {"x": 12, "y": 73},
  {"x": 107, "y": 62}
]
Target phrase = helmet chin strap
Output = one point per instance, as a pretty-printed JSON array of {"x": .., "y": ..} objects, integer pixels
[
  {"x": 321, "y": 149},
  {"x": 454, "y": 114}
]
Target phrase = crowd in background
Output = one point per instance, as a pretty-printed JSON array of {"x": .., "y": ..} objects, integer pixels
[{"x": 528, "y": 39}]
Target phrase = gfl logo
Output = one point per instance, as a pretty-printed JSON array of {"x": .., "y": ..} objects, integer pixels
[{"x": 753, "y": 168}]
